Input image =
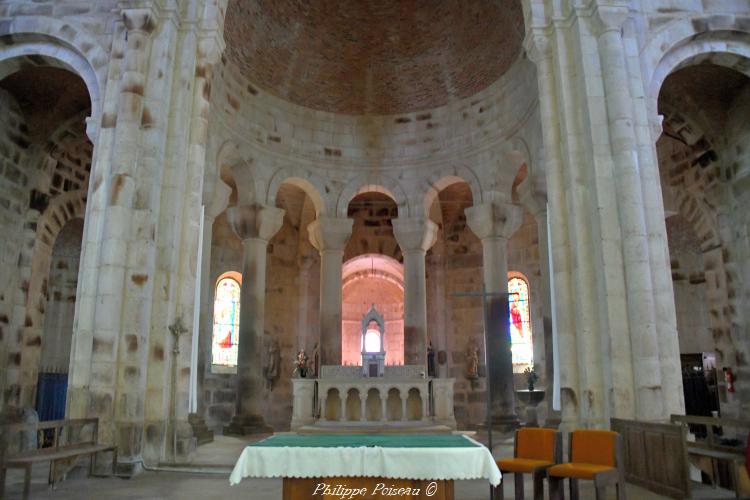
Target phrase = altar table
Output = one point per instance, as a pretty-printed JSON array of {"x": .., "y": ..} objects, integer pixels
[{"x": 355, "y": 466}]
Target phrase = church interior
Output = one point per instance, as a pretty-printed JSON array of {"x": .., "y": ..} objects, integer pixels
[{"x": 224, "y": 220}]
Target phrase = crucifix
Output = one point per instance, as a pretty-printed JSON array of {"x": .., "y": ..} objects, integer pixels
[{"x": 498, "y": 305}]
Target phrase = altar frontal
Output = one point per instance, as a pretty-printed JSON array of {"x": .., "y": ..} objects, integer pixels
[{"x": 367, "y": 466}]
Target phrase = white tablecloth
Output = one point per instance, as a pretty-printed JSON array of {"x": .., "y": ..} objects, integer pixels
[{"x": 473, "y": 462}]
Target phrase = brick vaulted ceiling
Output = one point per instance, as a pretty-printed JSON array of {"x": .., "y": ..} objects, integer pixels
[{"x": 373, "y": 56}]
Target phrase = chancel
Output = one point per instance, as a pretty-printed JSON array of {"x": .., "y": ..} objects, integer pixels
[{"x": 417, "y": 225}]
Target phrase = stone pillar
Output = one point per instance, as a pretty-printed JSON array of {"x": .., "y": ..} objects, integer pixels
[
  {"x": 329, "y": 236},
  {"x": 383, "y": 407},
  {"x": 255, "y": 225},
  {"x": 322, "y": 401},
  {"x": 644, "y": 343},
  {"x": 415, "y": 236},
  {"x": 303, "y": 412},
  {"x": 342, "y": 402},
  {"x": 362, "y": 407},
  {"x": 303, "y": 342},
  {"x": 617, "y": 342},
  {"x": 536, "y": 203},
  {"x": 404, "y": 399},
  {"x": 494, "y": 224}
]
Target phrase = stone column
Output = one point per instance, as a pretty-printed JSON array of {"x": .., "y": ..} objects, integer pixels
[
  {"x": 383, "y": 407},
  {"x": 404, "y": 399},
  {"x": 494, "y": 224},
  {"x": 342, "y": 403},
  {"x": 303, "y": 342},
  {"x": 329, "y": 236},
  {"x": 217, "y": 204},
  {"x": 645, "y": 343},
  {"x": 415, "y": 235},
  {"x": 362, "y": 407},
  {"x": 536, "y": 203},
  {"x": 322, "y": 401},
  {"x": 255, "y": 225}
]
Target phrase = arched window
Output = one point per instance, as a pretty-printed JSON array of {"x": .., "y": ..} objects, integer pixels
[
  {"x": 226, "y": 331},
  {"x": 520, "y": 324}
]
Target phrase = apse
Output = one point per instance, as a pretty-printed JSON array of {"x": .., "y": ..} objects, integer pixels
[{"x": 372, "y": 279}]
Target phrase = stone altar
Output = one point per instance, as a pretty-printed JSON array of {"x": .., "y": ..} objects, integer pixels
[{"x": 402, "y": 398}]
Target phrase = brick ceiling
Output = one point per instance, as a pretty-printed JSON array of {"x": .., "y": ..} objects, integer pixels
[{"x": 373, "y": 56}]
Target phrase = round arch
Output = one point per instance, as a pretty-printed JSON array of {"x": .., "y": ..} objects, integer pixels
[
  {"x": 373, "y": 184},
  {"x": 44, "y": 41},
  {"x": 690, "y": 41},
  {"x": 445, "y": 177},
  {"x": 310, "y": 186}
]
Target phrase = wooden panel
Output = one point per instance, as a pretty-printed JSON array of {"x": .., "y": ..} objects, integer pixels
[
  {"x": 655, "y": 456},
  {"x": 375, "y": 487}
]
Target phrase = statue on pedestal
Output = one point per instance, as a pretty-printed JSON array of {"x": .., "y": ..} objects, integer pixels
[
  {"x": 472, "y": 360},
  {"x": 271, "y": 365},
  {"x": 430, "y": 360}
]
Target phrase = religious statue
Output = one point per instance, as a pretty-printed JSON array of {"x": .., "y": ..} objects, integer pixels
[
  {"x": 472, "y": 360},
  {"x": 271, "y": 365},
  {"x": 300, "y": 365},
  {"x": 430, "y": 360},
  {"x": 316, "y": 361}
]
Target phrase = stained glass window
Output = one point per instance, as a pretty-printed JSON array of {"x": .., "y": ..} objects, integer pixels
[
  {"x": 520, "y": 324},
  {"x": 226, "y": 323}
]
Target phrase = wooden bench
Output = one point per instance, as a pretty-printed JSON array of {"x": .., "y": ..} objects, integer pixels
[
  {"x": 713, "y": 450},
  {"x": 655, "y": 456},
  {"x": 58, "y": 440}
]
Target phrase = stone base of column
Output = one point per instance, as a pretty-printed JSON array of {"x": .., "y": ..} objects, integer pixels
[
  {"x": 553, "y": 420},
  {"x": 243, "y": 425},
  {"x": 505, "y": 423}
]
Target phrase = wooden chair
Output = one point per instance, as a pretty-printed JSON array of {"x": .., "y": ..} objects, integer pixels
[
  {"x": 534, "y": 451},
  {"x": 594, "y": 455}
]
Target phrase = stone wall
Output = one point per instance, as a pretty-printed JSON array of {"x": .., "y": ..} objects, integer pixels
[
  {"x": 61, "y": 297},
  {"x": 690, "y": 294},
  {"x": 13, "y": 204}
]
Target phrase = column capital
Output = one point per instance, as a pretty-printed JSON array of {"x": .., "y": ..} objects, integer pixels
[
  {"x": 533, "y": 200},
  {"x": 537, "y": 44},
  {"x": 330, "y": 233},
  {"x": 610, "y": 15},
  {"x": 414, "y": 233},
  {"x": 139, "y": 19},
  {"x": 255, "y": 221},
  {"x": 494, "y": 220}
]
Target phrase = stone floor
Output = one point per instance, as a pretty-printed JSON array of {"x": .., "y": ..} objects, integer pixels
[{"x": 207, "y": 478}]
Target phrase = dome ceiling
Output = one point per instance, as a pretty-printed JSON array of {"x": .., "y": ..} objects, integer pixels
[{"x": 373, "y": 56}]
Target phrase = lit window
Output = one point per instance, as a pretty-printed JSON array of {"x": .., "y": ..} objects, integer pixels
[
  {"x": 520, "y": 324},
  {"x": 226, "y": 323},
  {"x": 372, "y": 341}
]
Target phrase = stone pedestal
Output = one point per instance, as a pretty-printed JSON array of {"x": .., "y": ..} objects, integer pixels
[
  {"x": 255, "y": 224},
  {"x": 303, "y": 391},
  {"x": 531, "y": 399},
  {"x": 494, "y": 224}
]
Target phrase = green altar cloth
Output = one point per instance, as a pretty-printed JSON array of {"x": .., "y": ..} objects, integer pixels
[{"x": 369, "y": 440}]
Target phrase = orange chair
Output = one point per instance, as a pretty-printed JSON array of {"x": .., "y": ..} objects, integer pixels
[
  {"x": 594, "y": 455},
  {"x": 534, "y": 451}
]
